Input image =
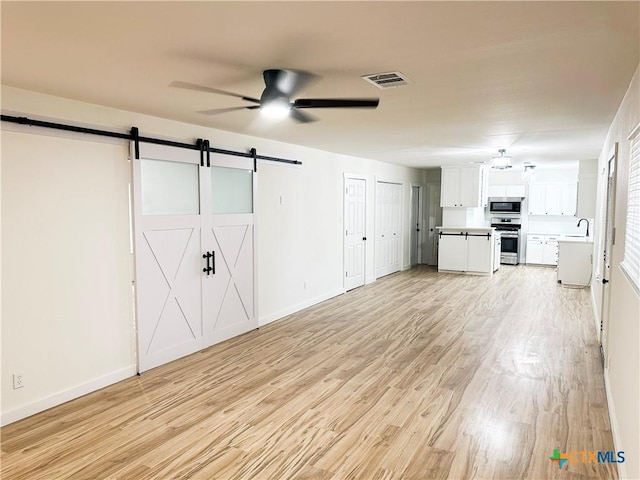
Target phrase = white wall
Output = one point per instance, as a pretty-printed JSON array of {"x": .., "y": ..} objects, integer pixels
[
  {"x": 622, "y": 367},
  {"x": 299, "y": 241},
  {"x": 66, "y": 311}
]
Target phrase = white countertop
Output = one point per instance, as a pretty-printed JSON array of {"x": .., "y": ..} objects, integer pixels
[
  {"x": 469, "y": 229},
  {"x": 570, "y": 239}
]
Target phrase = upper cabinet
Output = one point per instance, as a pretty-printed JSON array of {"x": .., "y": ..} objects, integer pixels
[
  {"x": 552, "y": 198},
  {"x": 509, "y": 191},
  {"x": 463, "y": 187},
  {"x": 587, "y": 188}
]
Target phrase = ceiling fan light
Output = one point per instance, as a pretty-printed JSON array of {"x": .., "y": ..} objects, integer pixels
[{"x": 276, "y": 109}]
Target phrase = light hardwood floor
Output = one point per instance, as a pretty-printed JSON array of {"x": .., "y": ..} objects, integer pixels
[{"x": 419, "y": 375}]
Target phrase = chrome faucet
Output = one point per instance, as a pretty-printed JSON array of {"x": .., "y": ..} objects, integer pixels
[{"x": 580, "y": 221}]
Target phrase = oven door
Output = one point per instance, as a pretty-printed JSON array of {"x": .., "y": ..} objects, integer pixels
[{"x": 509, "y": 243}]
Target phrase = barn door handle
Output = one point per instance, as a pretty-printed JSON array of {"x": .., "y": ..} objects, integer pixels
[
  {"x": 208, "y": 268},
  {"x": 213, "y": 262}
]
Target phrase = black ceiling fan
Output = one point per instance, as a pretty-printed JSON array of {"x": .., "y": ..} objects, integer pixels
[{"x": 280, "y": 86}]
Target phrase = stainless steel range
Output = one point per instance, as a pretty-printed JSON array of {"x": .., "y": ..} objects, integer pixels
[{"x": 510, "y": 230}]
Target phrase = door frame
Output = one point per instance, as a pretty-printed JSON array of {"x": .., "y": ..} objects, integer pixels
[
  {"x": 609, "y": 237},
  {"x": 354, "y": 176},
  {"x": 420, "y": 226},
  {"x": 432, "y": 244}
]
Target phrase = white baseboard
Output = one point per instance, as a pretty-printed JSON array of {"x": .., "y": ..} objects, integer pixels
[
  {"x": 613, "y": 419},
  {"x": 299, "y": 306},
  {"x": 61, "y": 397}
]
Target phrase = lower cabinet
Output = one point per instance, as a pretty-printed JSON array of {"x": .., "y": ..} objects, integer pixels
[
  {"x": 464, "y": 251},
  {"x": 449, "y": 252},
  {"x": 480, "y": 254},
  {"x": 542, "y": 249}
]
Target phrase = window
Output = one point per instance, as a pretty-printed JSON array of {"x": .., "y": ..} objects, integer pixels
[
  {"x": 231, "y": 190},
  {"x": 169, "y": 188},
  {"x": 631, "y": 262}
]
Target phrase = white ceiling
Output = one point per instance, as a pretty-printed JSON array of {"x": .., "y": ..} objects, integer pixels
[{"x": 541, "y": 79}]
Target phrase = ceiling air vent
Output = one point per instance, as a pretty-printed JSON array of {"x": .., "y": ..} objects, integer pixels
[{"x": 387, "y": 80}]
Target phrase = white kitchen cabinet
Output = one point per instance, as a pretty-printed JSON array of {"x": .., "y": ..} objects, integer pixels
[
  {"x": 537, "y": 199},
  {"x": 535, "y": 249},
  {"x": 466, "y": 250},
  {"x": 575, "y": 261},
  {"x": 542, "y": 249},
  {"x": 449, "y": 253},
  {"x": 463, "y": 187},
  {"x": 450, "y": 187},
  {"x": 507, "y": 191},
  {"x": 552, "y": 198},
  {"x": 480, "y": 253},
  {"x": 569, "y": 199},
  {"x": 586, "y": 203}
]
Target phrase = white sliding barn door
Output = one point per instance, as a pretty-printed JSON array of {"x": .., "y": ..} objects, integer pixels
[
  {"x": 355, "y": 232},
  {"x": 194, "y": 252},
  {"x": 388, "y": 228},
  {"x": 228, "y": 234},
  {"x": 167, "y": 254}
]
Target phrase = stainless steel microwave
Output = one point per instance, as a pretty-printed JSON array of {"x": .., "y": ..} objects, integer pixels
[{"x": 504, "y": 206}]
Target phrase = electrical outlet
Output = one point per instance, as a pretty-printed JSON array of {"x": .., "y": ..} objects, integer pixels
[{"x": 17, "y": 381}]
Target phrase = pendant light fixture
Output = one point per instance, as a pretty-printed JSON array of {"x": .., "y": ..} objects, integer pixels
[{"x": 501, "y": 161}]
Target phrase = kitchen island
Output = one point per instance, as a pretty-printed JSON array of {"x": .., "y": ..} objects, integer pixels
[
  {"x": 469, "y": 250},
  {"x": 575, "y": 260}
]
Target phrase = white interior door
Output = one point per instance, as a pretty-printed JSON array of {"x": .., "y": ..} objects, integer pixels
[
  {"x": 415, "y": 225},
  {"x": 194, "y": 251},
  {"x": 355, "y": 231},
  {"x": 609, "y": 239},
  {"x": 388, "y": 228},
  {"x": 167, "y": 182}
]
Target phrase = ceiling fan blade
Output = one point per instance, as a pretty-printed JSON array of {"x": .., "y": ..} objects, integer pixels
[
  {"x": 288, "y": 82},
  {"x": 336, "y": 103},
  {"x": 202, "y": 88},
  {"x": 216, "y": 111},
  {"x": 301, "y": 116}
]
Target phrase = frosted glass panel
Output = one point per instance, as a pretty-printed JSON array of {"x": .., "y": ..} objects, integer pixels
[
  {"x": 169, "y": 188},
  {"x": 231, "y": 190}
]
